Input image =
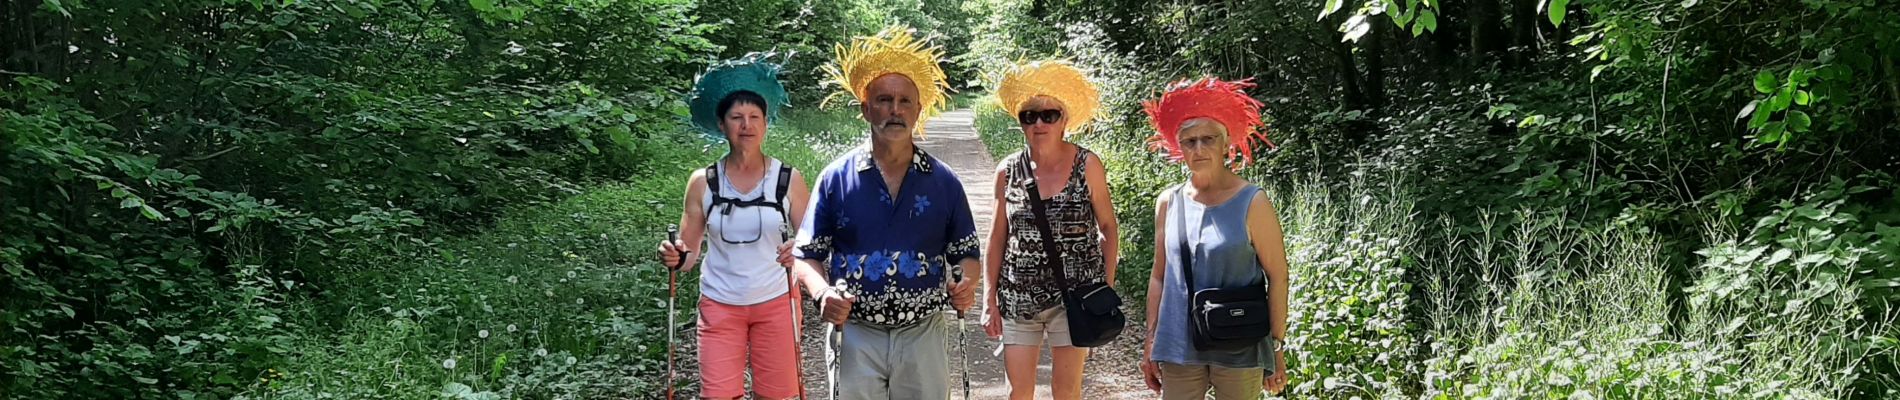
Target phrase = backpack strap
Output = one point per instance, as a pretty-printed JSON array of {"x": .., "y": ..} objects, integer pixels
[
  {"x": 718, "y": 199},
  {"x": 713, "y": 189},
  {"x": 784, "y": 183}
]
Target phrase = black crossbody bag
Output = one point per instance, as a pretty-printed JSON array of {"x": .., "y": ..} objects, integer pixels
[
  {"x": 1222, "y": 318},
  {"x": 1094, "y": 309}
]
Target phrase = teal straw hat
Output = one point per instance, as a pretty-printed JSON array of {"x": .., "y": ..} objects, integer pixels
[{"x": 751, "y": 73}]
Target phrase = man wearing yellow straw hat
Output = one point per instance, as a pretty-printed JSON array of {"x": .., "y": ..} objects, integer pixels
[{"x": 890, "y": 227}]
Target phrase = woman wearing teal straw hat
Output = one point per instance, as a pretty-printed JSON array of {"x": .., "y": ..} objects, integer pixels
[{"x": 742, "y": 208}]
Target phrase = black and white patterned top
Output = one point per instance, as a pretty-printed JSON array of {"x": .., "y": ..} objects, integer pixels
[{"x": 1026, "y": 287}]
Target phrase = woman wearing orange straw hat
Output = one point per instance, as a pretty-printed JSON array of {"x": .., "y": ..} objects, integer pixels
[
  {"x": 1053, "y": 241},
  {"x": 1217, "y": 298}
]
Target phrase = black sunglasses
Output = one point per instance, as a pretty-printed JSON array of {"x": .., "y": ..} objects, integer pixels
[{"x": 1029, "y": 117}]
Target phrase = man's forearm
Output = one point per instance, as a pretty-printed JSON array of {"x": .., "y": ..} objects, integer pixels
[{"x": 812, "y": 274}]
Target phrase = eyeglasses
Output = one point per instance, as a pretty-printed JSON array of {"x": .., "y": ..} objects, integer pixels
[
  {"x": 727, "y": 223},
  {"x": 1029, "y": 117},
  {"x": 1201, "y": 142}
]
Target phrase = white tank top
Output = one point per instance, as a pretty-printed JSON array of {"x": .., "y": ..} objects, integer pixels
[{"x": 741, "y": 264}]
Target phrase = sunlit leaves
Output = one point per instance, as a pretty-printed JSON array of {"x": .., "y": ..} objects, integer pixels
[
  {"x": 1782, "y": 96},
  {"x": 1427, "y": 21},
  {"x": 1556, "y": 9},
  {"x": 1419, "y": 16},
  {"x": 1355, "y": 27},
  {"x": 1332, "y": 6},
  {"x": 1765, "y": 81}
]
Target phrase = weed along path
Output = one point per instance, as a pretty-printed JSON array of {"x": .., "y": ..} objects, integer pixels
[{"x": 1111, "y": 373}]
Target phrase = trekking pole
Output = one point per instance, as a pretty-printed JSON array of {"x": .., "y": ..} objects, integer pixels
[
  {"x": 833, "y": 337},
  {"x": 963, "y": 344},
  {"x": 672, "y": 293},
  {"x": 798, "y": 367}
]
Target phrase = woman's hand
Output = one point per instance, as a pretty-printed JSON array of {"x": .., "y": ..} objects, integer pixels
[
  {"x": 671, "y": 254},
  {"x": 992, "y": 320},
  {"x": 785, "y": 254},
  {"x": 1276, "y": 381},
  {"x": 1150, "y": 372}
]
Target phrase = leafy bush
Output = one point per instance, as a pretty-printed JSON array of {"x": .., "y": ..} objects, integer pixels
[
  {"x": 1349, "y": 334},
  {"x": 557, "y": 301},
  {"x": 191, "y": 186}
]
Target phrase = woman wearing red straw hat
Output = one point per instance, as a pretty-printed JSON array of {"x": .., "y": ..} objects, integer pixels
[{"x": 1217, "y": 302}]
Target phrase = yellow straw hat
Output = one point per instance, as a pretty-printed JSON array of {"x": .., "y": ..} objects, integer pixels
[
  {"x": 893, "y": 51},
  {"x": 1056, "y": 79}
]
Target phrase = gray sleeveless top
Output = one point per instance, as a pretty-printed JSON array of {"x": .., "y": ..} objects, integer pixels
[
  {"x": 1223, "y": 257},
  {"x": 1026, "y": 287}
]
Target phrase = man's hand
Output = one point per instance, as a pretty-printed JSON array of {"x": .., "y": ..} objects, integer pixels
[
  {"x": 963, "y": 295},
  {"x": 837, "y": 305}
]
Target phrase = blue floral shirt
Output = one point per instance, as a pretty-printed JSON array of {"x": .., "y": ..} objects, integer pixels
[{"x": 891, "y": 251}]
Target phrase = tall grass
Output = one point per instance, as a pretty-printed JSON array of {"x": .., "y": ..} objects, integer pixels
[
  {"x": 1550, "y": 310},
  {"x": 558, "y": 301}
]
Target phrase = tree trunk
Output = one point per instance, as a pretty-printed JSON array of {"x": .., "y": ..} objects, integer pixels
[
  {"x": 1351, "y": 96},
  {"x": 1375, "y": 63},
  {"x": 1893, "y": 84},
  {"x": 1486, "y": 27},
  {"x": 1523, "y": 30},
  {"x": 1444, "y": 43}
]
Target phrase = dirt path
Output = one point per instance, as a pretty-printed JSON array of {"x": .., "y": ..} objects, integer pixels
[{"x": 1111, "y": 372}]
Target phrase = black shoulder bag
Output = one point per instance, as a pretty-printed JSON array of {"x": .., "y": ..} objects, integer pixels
[
  {"x": 1222, "y": 318},
  {"x": 1094, "y": 309}
]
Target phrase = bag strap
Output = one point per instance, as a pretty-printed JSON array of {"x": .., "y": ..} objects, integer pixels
[
  {"x": 1184, "y": 250},
  {"x": 1052, "y": 257}
]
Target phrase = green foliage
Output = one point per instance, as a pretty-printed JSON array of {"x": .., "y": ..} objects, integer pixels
[
  {"x": 1587, "y": 314},
  {"x": 200, "y": 193},
  {"x": 1585, "y": 186},
  {"x": 1348, "y": 334},
  {"x": 1000, "y": 132},
  {"x": 1825, "y": 237},
  {"x": 558, "y": 301},
  {"x": 1419, "y": 16}
]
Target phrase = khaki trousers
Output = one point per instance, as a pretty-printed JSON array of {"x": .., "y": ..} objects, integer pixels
[{"x": 1191, "y": 382}]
